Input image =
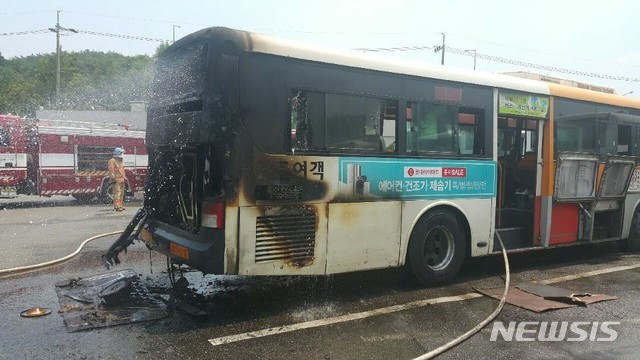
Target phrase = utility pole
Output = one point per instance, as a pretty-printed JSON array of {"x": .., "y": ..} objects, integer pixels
[
  {"x": 174, "y": 32},
  {"x": 475, "y": 55},
  {"x": 58, "y": 56},
  {"x": 442, "y": 61},
  {"x": 440, "y": 48},
  {"x": 58, "y": 29}
]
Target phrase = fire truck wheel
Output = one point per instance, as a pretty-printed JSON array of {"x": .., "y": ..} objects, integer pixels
[
  {"x": 106, "y": 194},
  {"x": 437, "y": 248}
]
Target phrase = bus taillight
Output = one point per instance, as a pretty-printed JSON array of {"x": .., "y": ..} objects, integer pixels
[{"x": 213, "y": 213}]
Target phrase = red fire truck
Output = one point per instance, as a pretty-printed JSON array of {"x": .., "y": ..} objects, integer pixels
[{"x": 57, "y": 157}]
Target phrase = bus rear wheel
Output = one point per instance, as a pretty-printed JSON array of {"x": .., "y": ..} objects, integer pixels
[{"x": 437, "y": 248}]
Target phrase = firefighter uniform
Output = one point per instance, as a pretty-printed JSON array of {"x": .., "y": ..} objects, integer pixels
[{"x": 117, "y": 176}]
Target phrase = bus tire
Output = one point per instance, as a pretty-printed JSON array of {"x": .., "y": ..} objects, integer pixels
[
  {"x": 437, "y": 248},
  {"x": 632, "y": 243}
]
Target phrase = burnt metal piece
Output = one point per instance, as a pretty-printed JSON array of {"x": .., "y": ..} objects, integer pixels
[
  {"x": 555, "y": 293},
  {"x": 107, "y": 300},
  {"x": 35, "y": 312},
  {"x": 538, "y": 303},
  {"x": 110, "y": 258}
]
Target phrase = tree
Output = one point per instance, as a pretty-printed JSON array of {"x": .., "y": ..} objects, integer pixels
[
  {"x": 160, "y": 49},
  {"x": 88, "y": 80}
]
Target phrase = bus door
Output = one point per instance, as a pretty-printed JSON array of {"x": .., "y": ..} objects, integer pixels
[{"x": 517, "y": 210}]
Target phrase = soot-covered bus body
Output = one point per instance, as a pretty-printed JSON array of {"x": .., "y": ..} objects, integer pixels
[{"x": 273, "y": 158}]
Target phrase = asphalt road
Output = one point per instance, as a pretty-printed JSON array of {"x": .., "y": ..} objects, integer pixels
[{"x": 369, "y": 315}]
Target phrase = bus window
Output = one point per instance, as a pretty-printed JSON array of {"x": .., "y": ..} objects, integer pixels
[
  {"x": 332, "y": 121},
  {"x": 607, "y": 138},
  {"x": 353, "y": 122},
  {"x": 389, "y": 117},
  {"x": 433, "y": 127},
  {"x": 467, "y": 125},
  {"x": 471, "y": 131},
  {"x": 576, "y": 135},
  {"x": 624, "y": 139}
]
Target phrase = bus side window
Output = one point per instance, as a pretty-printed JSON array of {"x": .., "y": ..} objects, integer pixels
[
  {"x": 434, "y": 128},
  {"x": 300, "y": 132},
  {"x": 389, "y": 118},
  {"x": 624, "y": 139},
  {"x": 467, "y": 133},
  {"x": 325, "y": 121}
]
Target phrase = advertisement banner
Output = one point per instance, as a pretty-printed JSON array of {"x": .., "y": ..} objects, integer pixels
[
  {"x": 518, "y": 104},
  {"x": 416, "y": 178}
]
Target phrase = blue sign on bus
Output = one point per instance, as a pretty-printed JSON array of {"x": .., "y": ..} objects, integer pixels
[{"x": 422, "y": 179}]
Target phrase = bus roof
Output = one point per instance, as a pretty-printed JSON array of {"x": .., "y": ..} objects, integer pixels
[
  {"x": 270, "y": 45},
  {"x": 294, "y": 49}
]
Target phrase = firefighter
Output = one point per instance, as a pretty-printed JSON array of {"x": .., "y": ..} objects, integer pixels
[{"x": 118, "y": 178}]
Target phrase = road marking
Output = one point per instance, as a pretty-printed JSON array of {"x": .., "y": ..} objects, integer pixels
[
  {"x": 589, "y": 273},
  {"x": 391, "y": 309},
  {"x": 340, "y": 319}
]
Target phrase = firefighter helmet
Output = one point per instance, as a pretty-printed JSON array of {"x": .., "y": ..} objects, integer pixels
[{"x": 118, "y": 152}]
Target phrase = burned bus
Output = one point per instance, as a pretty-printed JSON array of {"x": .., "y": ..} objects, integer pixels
[{"x": 269, "y": 157}]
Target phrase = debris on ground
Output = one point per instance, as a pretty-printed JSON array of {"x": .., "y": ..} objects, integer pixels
[
  {"x": 539, "y": 298},
  {"x": 107, "y": 300}
]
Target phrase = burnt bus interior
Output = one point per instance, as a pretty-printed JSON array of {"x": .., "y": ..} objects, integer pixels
[
  {"x": 606, "y": 138},
  {"x": 588, "y": 140}
]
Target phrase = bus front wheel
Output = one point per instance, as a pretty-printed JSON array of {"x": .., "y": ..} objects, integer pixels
[{"x": 437, "y": 248}]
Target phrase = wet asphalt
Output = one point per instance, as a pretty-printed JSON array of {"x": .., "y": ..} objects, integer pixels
[{"x": 235, "y": 305}]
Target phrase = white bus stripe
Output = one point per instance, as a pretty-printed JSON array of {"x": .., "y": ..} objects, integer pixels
[{"x": 391, "y": 309}]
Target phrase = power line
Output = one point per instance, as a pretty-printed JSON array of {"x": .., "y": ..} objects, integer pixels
[
  {"x": 542, "y": 67},
  {"x": 121, "y": 36},
  {"x": 547, "y": 52},
  {"x": 505, "y": 60},
  {"x": 393, "y": 49},
  {"x": 41, "y": 31}
]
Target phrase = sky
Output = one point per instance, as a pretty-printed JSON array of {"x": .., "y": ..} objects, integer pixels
[{"x": 561, "y": 38}]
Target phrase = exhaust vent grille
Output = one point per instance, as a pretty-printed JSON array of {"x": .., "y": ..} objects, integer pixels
[{"x": 286, "y": 237}]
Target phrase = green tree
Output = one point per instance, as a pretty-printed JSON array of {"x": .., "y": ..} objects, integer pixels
[{"x": 88, "y": 80}]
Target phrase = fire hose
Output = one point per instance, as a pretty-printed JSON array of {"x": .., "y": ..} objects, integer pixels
[
  {"x": 21, "y": 269},
  {"x": 457, "y": 341}
]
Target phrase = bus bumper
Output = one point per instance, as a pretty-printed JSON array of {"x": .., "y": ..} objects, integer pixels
[{"x": 203, "y": 251}]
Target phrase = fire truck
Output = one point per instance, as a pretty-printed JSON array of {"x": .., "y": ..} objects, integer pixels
[{"x": 59, "y": 157}]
